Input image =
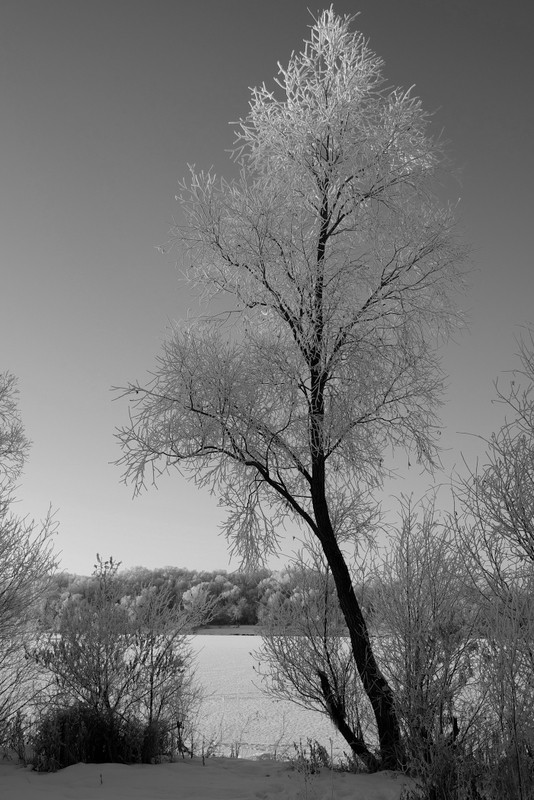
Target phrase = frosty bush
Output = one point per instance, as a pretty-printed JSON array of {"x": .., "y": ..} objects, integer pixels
[{"x": 124, "y": 667}]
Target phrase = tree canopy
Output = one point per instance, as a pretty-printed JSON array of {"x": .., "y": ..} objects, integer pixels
[{"x": 336, "y": 266}]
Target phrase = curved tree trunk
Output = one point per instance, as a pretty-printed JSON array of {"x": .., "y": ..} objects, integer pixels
[{"x": 374, "y": 683}]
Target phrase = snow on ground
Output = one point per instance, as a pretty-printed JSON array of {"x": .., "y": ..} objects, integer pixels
[
  {"x": 219, "y": 779},
  {"x": 236, "y": 713}
]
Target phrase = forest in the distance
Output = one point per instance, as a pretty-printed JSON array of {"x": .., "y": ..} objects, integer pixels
[
  {"x": 235, "y": 598},
  {"x": 227, "y": 598}
]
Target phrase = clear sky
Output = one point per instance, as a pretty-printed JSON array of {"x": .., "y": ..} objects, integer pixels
[{"x": 102, "y": 106}]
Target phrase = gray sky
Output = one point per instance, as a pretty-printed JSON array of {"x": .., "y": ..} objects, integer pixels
[{"x": 103, "y": 105}]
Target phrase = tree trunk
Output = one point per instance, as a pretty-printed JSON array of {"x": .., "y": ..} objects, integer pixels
[
  {"x": 338, "y": 717},
  {"x": 374, "y": 683}
]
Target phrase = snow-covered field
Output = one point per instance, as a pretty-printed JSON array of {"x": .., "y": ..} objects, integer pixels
[
  {"x": 219, "y": 779},
  {"x": 237, "y": 714}
]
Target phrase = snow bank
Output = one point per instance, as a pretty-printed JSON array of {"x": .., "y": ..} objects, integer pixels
[{"x": 219, "y": 779}]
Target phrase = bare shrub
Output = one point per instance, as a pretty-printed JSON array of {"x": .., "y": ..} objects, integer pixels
[
  {"x": 426, "y": 629},
  {"x": 124, "y": 664}
]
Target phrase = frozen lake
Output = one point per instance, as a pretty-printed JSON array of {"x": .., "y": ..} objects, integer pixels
[{"x": 236, "y": 713}]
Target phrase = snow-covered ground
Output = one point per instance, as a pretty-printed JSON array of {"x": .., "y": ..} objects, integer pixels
[
  {"x": 219, "y": 779},
  {"x": 235, "y": 712}
]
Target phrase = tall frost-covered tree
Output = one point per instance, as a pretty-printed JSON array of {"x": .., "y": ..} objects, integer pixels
[{"x": 328, "y": 269}]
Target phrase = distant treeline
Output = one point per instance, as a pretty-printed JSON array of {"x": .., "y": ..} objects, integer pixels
[{"x": 237, "y": 598}]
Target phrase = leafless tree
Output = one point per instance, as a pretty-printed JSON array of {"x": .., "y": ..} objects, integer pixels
[
  {"x": 14, "y": 446},
  {"x": 26, "y": 561},
  {"x": 426, "y": 631},
  {"x": 495, "y": 532},
  {"x": 329, "y": 270}
]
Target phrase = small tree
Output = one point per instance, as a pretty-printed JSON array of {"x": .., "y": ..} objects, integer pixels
[
  {"x": 336, "y": 265},
  {"x": 426, "y": 631},
  {"x": 125, "y": 660},
  {"x": 26, "y": 561},
  {"x": 168, "y": 695}
]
